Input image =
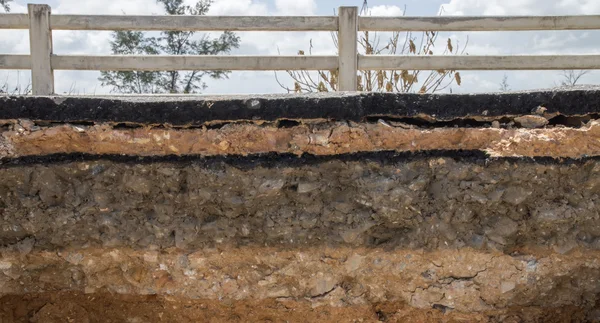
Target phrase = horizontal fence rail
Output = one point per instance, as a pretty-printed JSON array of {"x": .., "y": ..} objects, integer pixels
[
  {"x": 485, "y": 23},
  {"x": 174, "y": 63},
  {"x": 16, "y": 62},
  {"x": 42, "y": 62},
  {"x": 479, "y": 63},
  {"x": 178, "y": 23},
  {"x": 14, "y": 21},
  {"x": 194, "y": 23}
]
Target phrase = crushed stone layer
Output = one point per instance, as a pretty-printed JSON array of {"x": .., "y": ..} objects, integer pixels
[
  {"x": 80, "y": 307},
  {"x": 378, "y": 199},
  {"x": 357, "y": 107},
  {"x": 464, "y": 280},
  {"x": 324, "y": 138}
]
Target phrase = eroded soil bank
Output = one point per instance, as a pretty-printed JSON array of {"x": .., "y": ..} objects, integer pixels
[
  {"x": 378, "y": 199},
  {"x": 325, "y": 207}
]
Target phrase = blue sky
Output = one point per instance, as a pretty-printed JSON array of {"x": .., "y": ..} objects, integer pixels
[{"x": 271, "y": 43}]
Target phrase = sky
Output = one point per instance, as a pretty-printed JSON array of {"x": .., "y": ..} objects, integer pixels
[{"x": 288, "y": 43}]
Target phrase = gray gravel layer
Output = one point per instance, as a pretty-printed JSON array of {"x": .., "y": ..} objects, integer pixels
[{"x": 429, "y": 202}]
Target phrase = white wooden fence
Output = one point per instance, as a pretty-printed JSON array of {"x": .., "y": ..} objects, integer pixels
[{"x": 42, "y": 62}]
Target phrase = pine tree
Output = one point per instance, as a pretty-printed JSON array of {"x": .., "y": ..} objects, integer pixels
[{"x": 168, "y": 43}]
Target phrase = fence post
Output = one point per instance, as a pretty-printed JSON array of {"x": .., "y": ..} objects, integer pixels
[
  {"x": 40, "y": 42},
  {"x": 347, "y": 48}
]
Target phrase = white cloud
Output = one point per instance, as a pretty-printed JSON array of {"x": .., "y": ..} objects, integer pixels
[
  {"x": 385, "y": 10},
  {"x": 238, "y": 8},
  {"x": 108, "y": 7},
  {"x": 521, "y": 7},
  {"x": 295, "y": 7}
]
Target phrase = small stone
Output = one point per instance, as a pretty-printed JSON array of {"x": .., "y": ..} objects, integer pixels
[
  {"x": 224, "y": 145},
  {"x": 25, "y": 246},
  {"x": 318, "y": 139},
  {"x": 447, "y": 231},
  {"x": 79, "y": 128},
  {"x": 463, "y": 215},
  {"x": 18, "y": 128},
  {"x": 137, "y": 184},
  {"x": 180, "y": 239},
  {"x": 197, "y": 260},
  {"x": 425, "y": 298},
  {"x": 353, "y": 262},
  {"x": 271, "y": 186},
  {"x": 402, "y": 125},
  {"x": 477, "y": 197},
  {"x": 74, "y": 258},
  {"x": 321, "y": 284},
  {"x": 539, "y": 111},
  {"x": 516, "y": 195},
  {"x": 5, "y": 265},
  {"x": 343, "y": 207},
  {"x": 277, "y": 292},
  {"x": 565, "y": 248},
  {"x": 495, "y": 124},
  {"x": 350, "y": 236},
  {"x": 190, "y": 273},
  {"x": 495, "y": 195},
  {"x": 419, "y": 184},
  {"x": 245, "y": 230},
  {"x": 308, "y": 221},
  {"x": 307, "y": 187},
  {"x": 382, "y": 122},
  {"x": 477, "y": 241},
  {"x": 549, "y": 215},
  {"x": 506, "y": 287},
  {"x": 506, "y": 227},
  {"x": 27, "y": 124},
  {"x": 531, "y": 121},
  {"x": 254, "y": 104},
  {"x": 59, "y": 100},
  {"x": 151, "y": 256},
  {"x": 230, "y": 286}
]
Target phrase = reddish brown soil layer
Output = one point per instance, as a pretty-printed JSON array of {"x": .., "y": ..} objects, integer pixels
[{"x": 105, "y": 307}]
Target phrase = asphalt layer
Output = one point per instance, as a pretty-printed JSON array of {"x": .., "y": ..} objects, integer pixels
[{"x": 197, "y": 110}]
